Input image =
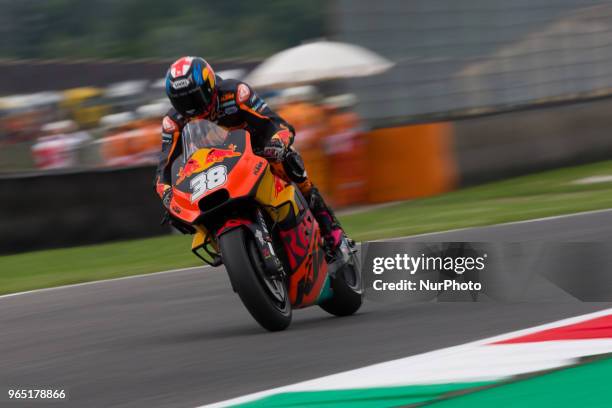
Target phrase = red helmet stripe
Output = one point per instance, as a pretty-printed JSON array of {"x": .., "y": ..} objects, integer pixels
[{"x": 180, "y": 67}]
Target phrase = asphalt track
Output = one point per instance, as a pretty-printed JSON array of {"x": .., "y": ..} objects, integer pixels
[{"x": 184, "y": 339}]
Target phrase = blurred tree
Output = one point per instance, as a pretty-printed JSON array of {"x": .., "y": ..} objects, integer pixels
[{"x": 155, "y": 28}]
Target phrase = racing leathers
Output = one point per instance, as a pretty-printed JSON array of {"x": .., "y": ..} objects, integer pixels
[{"x": 239, "y": 107}]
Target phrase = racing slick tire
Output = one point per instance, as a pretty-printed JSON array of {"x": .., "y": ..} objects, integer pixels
[{"x": 266, "y": 298}]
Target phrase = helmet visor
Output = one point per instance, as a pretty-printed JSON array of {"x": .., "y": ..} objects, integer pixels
[{"x": 192, "y": 103}]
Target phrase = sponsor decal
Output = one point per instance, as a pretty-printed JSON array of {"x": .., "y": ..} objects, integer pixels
[
  {"x": 217, "y": 155},
  {"x": 243, "y": 93},
  {"x": 257, "y": 168},
  {"x": 228, "y": 97},
  {"x": 168, "y": 125},
  {"x": 180, "y": 83},
  {"x": 278, "y": 186},
  {"x": 202, "y": 159},
  {"x": 228, "y": 103},
  {"x": 181, "y": 67},
  {"x": 230, "y": 110}
]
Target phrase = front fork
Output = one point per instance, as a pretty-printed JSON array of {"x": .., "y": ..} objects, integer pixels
[
  {"x": 204, "y": 246},
  {"x": 263, "y": 239}
]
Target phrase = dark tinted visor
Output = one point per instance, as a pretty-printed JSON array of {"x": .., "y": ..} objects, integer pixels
[{"x": 192, "y": 103}]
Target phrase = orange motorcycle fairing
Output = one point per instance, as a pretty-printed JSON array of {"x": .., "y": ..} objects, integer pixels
[
  {"x": 300, "y": 235},
  {"x": 249, "y": 179},
  {"x": 309, "y": 279},
  {"x": 238, "y": 161}
]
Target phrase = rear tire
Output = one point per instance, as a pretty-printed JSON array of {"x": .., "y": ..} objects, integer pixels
[
  {"x": 347, "y": 288},
  {"x": 245, "y": 268}
]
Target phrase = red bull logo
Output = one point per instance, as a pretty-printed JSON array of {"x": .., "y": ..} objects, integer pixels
[
  {"x": 203, "y": 159},
  {"x": 218, "y": 155}
]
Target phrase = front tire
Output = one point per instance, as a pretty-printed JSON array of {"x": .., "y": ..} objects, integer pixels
[{"x": 266, "y": 299}]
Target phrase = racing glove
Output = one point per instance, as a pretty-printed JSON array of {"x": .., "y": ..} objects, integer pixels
[
  {"x": 167, "y": 197},
  {"x": 275, "y": 150}
]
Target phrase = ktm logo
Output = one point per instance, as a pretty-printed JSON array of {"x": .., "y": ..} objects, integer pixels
[{"x": 180, "y": 83}]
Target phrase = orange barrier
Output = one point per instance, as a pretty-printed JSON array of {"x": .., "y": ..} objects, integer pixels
[
  {"x": 410, "y": 162},
  {"x": 131, "y": 143},
  {"x": 346, "y": 152},
  {"x": 391, "y": 164}
]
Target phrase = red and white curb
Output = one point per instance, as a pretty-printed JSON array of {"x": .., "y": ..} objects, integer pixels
[{"x": 543, "y": 347}]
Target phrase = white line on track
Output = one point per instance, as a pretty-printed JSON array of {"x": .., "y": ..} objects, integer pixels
[
  {"x": 387, "y": 239},
  {"x": 76, "y": 285},
  {"x": 551, "y": 218}
]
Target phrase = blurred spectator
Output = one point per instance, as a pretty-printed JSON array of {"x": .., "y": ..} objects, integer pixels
[
  {"x": 18, "y": 127},
  {"x": 57, "y": 148},
  {"x": 299, "y": 106},
  {"x": 21, "y": 116},
  {"x": 85, "y": 105},
  {"x": 132, "y": 138},
  {"x": 344, "y": 145},
  {"x": 47, "y": 124},
  {"x": 126, "y": 95},
  {"x": 329, "y": 135}
]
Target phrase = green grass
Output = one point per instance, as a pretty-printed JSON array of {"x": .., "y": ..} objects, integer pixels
[
  {"x": 56, "y": 267},
  {"x": 537, "y": 195}
]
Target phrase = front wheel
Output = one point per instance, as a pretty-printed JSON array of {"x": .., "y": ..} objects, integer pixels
[{"x": 265, "y": 297}]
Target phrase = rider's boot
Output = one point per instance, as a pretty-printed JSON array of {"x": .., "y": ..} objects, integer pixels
[{"x": 330, "y": 227}]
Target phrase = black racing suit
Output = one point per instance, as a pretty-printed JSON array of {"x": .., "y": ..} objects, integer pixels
[{"x": 239, "y": 107}]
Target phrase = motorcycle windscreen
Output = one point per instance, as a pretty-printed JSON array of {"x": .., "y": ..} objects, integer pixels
[
  {"x": 207, "y": 148},
  {"x": 201, "y": 134}
]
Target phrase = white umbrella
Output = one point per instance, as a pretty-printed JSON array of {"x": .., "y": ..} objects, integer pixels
[{"x": 317, "y": 61}]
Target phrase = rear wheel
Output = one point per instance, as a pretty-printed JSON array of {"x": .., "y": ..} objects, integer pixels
[
  {"x": 347, "y": 288},
  {"x": 265, "y": 297}
]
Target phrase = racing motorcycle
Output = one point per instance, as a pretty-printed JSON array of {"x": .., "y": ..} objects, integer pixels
[{"x": 260, "y": 227}]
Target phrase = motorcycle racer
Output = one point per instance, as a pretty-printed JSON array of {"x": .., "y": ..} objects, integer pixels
[{"x": 197, "y": 93}]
